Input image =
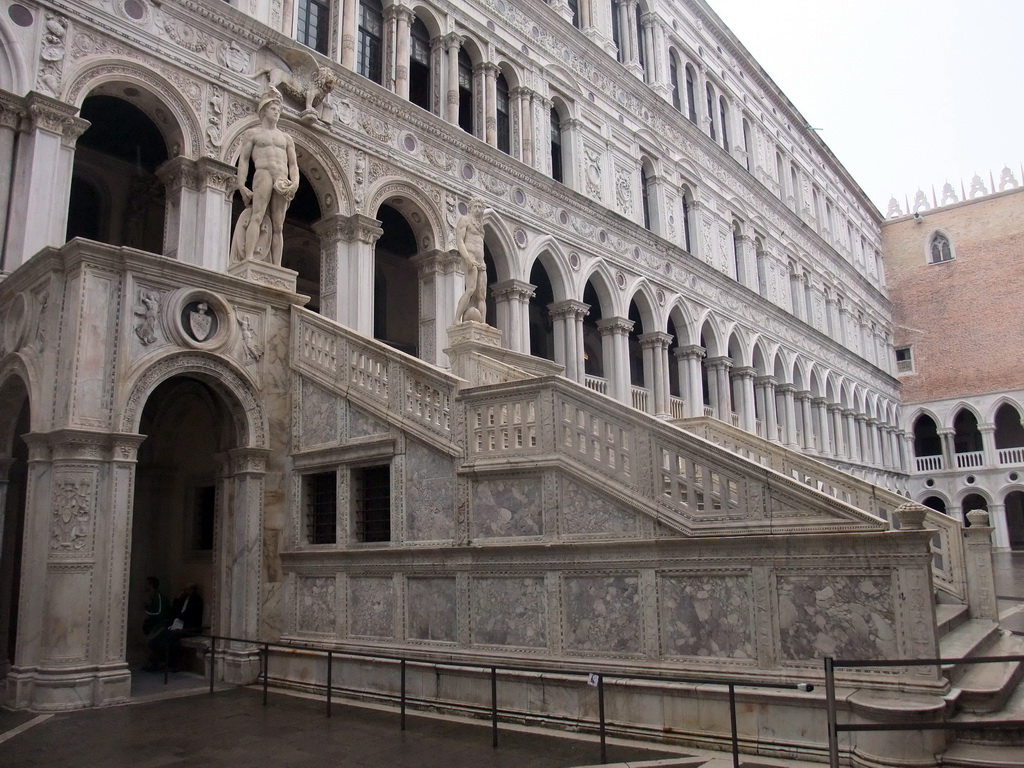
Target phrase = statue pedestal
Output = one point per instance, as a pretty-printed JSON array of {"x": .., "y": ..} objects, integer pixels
[
  {"x": 477, "y": 356},
  {"x": 264, "y": 273}
]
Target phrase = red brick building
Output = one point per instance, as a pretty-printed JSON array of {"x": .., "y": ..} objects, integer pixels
[{"x": 954, "y": 276}]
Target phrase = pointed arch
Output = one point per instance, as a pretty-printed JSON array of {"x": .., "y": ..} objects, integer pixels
[
  {"x": 550, "y": 254},
  {"x": 415, "y": 205}
]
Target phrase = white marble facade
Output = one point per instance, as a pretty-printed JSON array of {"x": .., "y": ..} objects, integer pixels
[{"x": 164, "y": 408}]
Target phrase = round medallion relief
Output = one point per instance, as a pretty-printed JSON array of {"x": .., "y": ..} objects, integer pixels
[
  {"x": 620, "y": 280},
  {"x": 133, "y": 9},
  {"x": 574, "y": 260},
  {"x": 20, "y": 15},
  {"x": 563, "y": 218},
  {"x": 468, "y": 172},
  {"x": 409, "y": 142}
]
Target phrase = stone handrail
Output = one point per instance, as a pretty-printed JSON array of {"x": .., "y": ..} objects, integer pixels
[{"x": 948, "y": 560}]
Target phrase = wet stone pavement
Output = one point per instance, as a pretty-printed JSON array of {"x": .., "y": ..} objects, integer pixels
[{"x": 1008, "y": 570}]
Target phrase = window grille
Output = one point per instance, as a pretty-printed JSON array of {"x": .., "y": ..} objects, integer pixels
[
  {"x": 370, "y": 42},
  {"x": 321, "y": 500},
  {"x": 371, "y": 490}
]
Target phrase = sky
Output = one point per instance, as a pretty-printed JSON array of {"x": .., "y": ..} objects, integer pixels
[{"x": 906, "y": 93}]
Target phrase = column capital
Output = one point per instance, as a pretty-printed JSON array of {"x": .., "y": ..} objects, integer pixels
[
  {"x": 509, "y": 289},
  {"x": 453, "y": 40},
  {"x": 863, "y": 418},
  {"x": 786, "y": 388},
  {"x": 399, "y": 12},
  {"x": 744, "y": 372},
  {"x": 722, "y": 361},
  {"x": 655, "y": 339},
  {"x": 213, "y": 174},
  {"x": 179, "y": 173},
  {"x": 849, "y": 413},
  {"x": 834, "y": 408},
  {"x": 433, "y": 262},
  {"x": 690, "y": 351},
  {"x": 54, "y": 116},
  {"x": 339, "y": 228},
  {"x": 614, "y": 326},
  {"x": 12, "y": 110},
  {"x": 767, "y": 382},
  {"x": 569, "y": 308},
  {"x": 819, "y": 401},
  {"x": 803, "y": 394},
  {"x": 248, "y": 461}
]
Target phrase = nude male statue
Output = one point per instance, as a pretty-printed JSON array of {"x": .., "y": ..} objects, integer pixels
[
  {"x": 469, "y": 239},
  {"x": 275, "y": 180}
]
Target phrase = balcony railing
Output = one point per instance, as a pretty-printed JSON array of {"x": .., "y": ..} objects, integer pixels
[
  {"x": 928, "y": 463},
  {"x": 596, "y": 383},
  {"x": 639, "y": 397},
  {"x": 709, "y": 411},
  {"x": 1013, "y": 455},
  {"x": 970, "y": 460},
  {"x": 677, "y": 407}
]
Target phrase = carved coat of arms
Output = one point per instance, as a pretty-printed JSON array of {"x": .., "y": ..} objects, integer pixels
[{"x": 199, "y": 322}]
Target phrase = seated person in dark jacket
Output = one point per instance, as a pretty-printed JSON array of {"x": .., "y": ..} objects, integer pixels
[{"x": 186, "y": 619}]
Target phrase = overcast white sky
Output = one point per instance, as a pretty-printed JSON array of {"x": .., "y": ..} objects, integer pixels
[{"x": 907, "y": 93}]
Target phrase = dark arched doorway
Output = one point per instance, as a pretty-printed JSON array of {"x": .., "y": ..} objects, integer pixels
[
  {"x": 14, "y": 423},
  {"x": 178, "y": 497},
  {"x": 1015, "y": 519}
]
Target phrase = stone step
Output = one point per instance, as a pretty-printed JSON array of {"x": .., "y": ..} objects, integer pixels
[
  {"x": 1008, "y": 729},
  {"x": 971, "y": 638},
  {"x": 989, "y": 687},
  {"x": 964, "y": 755},
  {"x": 949, "y": 616}
]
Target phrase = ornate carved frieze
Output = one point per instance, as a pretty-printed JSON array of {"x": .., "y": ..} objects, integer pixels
[
  {"x": 51, "y": 65},
  {"x": 71, "y": 520}
]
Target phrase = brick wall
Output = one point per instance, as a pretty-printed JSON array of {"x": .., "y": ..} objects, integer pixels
[{"x": 964, "y": 319}]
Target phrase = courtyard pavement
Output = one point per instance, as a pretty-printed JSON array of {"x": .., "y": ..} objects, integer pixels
[{"x": 182, "y": 725}]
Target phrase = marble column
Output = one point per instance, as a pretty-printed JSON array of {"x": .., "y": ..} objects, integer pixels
[
  {"x": 629, "y": 36},
  {"x": 615, "y": 348},
  {"x": 863, "y": 433},
  {"x": 718, "y": 387},
  {"x": 349, "y": 30},
  {"x": 743, "y": 380},
  {"x": 347, "y": 269},
  {"x": 655, "y": 350},
  {"x": 403, "y": 25},
  {"x": 44, "y": 156},
  {"x": 746, "y": 272},
  {"x": 807, "y": 419},
  {"x": 688, "y": 359},
  {"x": 647, "y": 20},
  {"x": 197, "y": 226},
  {"x": 521, "y": 98},
  {"x": 788, "y": 394},
  {"x": 990, "y": 455},
  {"x": 440, "y": 287},
  {"x": 839, "y": 445},
  {"x": 820, "y": 405},
  {"x": 512, "y": 306},
  {"x": 876, "y": 443},
  {"x": 853, "y": 435},
  {"x": 453, "y": 44},
  {"x": 11, "y": 114},
  {"x": 568, "y": 317},
  {"x": 491, "y": 114},
  {"x": 765, "y": 391},
  {"x": 948, "y": 448}
]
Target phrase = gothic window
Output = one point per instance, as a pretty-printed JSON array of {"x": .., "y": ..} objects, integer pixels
[
  {"x": 504, "y": 122},
  {"x": 939, "y": 249},
  {"x": 419, "y": 65},
  {"x": 556, "y": 147},
  {"x": 465, "y": 91},
  {"x": 313, "y": 25},
  {"x": 673, "y": 74},
  {"x": 320, "y": 500},
  {"x": 711, "y": 112},
  {"x": 370, "y": 40},
  {"x": 371, "y": 503},
  {"x": 691, "y": 102},
  {"x": 645, "y": 197},
  {"x": 723, "y": 113},
  {"x": 926, "y": 437}
]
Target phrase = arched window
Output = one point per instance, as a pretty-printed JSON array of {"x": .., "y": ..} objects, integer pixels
[
  {"x": 419, "y": 65},
  {"x": 939, "y": 248},
  {"x": 313, "y": 25},
  {"x": 556, "y": 147},
  {"x": 711, "y": 112},
  {"x": 966, "y": 436},
  {"x": 504, "y": 123},
  {"x": 691, "y": 102},
  {"x": 673, "y": 76},
  {"x": 465, "y": 91},
  {"x": 723, "y": 113},
  {"x": 934, "y": 502},
  {"x": 1009, "y": 435},
  {"x": 688, "y": 224},
  {"x": 645, "y": 197},
  {"x": 747, "y": 146},
  {"x": 370, "y": 40},
  {"x": 926, "y": 437}
]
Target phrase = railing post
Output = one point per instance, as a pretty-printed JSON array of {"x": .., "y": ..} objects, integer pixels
[
  {"x": 732, "y": 721},
  {"x": 330, "y": 660},
  {"x": 494, "y": 706},
  {"x": 213, "y": 659},
  {"x": 830, "y": 704},
  {"x": 600, "y": 715},
  {"x": 266, "y": 670},
  {"x": 403, "y": 694}
]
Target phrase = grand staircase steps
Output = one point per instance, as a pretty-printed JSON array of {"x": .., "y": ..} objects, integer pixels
[
  {"x": 949, "y": 616},
  {"x": 973, "y": 637},
  {"x": 966, "y": 755}
]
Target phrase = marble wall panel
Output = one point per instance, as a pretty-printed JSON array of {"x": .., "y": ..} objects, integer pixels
[
  {"x": 371, "y": 607},
  {"x": 431, "y": 609},
  {"x": 603, "y": 614},
  {"x": 317, "y": 604},
  {"x": 845, "y": 616},
  {"x": 709, "y": 616},
  {"x": 585, "y": 513},
  {"x": 509, "y": 611},
  {"x": 319, "y": 415},
  {"x": 361, "y": 424},
  {"x": 507, "y": 507},
  {"x": 430, "y": 494}
]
